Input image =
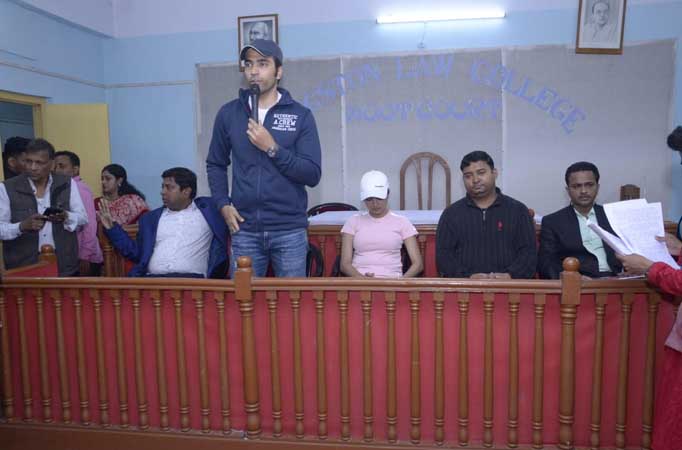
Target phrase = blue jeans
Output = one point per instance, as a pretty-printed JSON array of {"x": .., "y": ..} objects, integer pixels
[{"x": 286, "y": 250}]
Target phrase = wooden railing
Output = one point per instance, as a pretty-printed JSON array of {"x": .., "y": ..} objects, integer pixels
[{"x": 102, "y": 363}]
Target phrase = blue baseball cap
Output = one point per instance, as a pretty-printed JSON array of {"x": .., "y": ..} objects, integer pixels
[{"x": 265, "y": 47}]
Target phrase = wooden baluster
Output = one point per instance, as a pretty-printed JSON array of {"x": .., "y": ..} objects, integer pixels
[
  {"x": 344, "y": 364},
  {"x": 415, "y": 371},
  {"x": 391, "y": 371},
  {"x": 156, "y": 296},
  {"x": 570, "y": 300},
  {"x": 183, "y": 395},
  {"x": 418, "y": 168},
  {"x": 513, "y": 411},
  {"x": 429, "y": 204},
  {"x": 198, "y": 298},
  {"x": 80, "y": 355},
  {"x": 25, "y": 367},
  {"x": 623, "y": 362},
  {"x": 244, "y": 296},
  {"x": 295, "y": 298},
  {"x": 224, "y": 378},
  {"x": 101, "y": 366},
  {"x": 120, "y": 359},
  {"x": 488, "y": 379},
  {"x": 367, "y": 394},
  {"x": 142, "y": 404},
  {"x": 463, "y": 384},
  {"x": 597, "y": 366},
  {"x": 45, "y": 389},
  {"x": 649, "y": 371},
  {"x": 7, "y": 390},
  {"x": 61, "y": 357},
  {"x": 274, "y": 365},
  {"x": 439, "y": 366},
  {"x": 318, "y": 296},
  {"x": 538, "y": 370}
]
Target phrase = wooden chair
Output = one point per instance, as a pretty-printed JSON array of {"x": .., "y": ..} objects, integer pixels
[
  {"x": 314, "y": 262},
  {"x": 629, "y": 192},
  {"x": 417, "y": 159},
  {"x": 332, "y": 206}
]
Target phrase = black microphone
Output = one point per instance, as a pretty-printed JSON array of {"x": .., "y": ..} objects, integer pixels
[{"x": 254, "y": 93}]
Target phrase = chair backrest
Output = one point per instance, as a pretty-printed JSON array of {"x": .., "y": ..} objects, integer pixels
[
  {"x": 314, "y": 263},
  {"x": 417, "y": 160},
  {"x": 332, "y": 206},
  {"x": 629, "y": 192}
]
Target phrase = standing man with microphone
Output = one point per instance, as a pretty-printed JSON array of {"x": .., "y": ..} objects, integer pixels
[{"x": 271, "y": 141}]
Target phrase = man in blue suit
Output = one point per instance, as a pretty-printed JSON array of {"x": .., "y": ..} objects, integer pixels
[
  {"x": 565, "y": 233},
  {"x": 184, "y": 238}
]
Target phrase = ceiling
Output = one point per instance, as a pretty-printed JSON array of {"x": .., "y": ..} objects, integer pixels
[{"x": 130, "y": 18}]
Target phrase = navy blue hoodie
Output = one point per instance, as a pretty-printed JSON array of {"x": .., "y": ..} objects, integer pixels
[{"x": 269, "y": 193}]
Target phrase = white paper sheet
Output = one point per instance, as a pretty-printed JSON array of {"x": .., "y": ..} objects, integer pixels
[
  {"x": 638, "y": 223},
  {"x": 611, "y": 240}
]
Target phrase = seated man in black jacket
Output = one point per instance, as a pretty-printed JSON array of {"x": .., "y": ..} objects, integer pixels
[
  {"x": 565, "y": 233},
  {"x": 486, "y": 234}
]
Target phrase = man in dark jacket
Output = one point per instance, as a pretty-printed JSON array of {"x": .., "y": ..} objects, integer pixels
[
  {"x": 39, "y": 208},
  {"x": 486, "y": 234},
  {"x": 565, "y": 233},
  {"x": 273, "y": 160},
  {"x": 184, "y": 238}
]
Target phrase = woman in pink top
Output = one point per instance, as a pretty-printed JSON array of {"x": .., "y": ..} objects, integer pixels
[
  {"x": 371, "y": 242},
  {"x": 668, "y": 414}
]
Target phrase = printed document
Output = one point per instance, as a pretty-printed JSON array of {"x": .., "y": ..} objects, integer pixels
[{"x": 637, "y": 223}]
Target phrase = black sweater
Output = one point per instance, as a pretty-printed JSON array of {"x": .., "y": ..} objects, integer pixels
[{"x": 472, "y": 240}]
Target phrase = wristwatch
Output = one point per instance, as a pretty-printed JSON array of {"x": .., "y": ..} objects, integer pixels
[{"x": 272, "y": 151}]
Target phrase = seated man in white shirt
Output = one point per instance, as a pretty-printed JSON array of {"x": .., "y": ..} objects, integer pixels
[
  {"x": 40, "y": 208},
  {"x": 184, "y": 238}
]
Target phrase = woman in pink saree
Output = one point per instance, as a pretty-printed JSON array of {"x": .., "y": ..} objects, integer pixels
[{"x": 126, "y": 203}]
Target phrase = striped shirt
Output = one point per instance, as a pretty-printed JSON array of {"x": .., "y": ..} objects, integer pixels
[{"x": 500, "y": 238}]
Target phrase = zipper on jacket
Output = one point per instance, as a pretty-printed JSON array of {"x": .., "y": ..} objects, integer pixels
[
  {"x": 483, "y": 211},
  {"x": 259, "y": 226}
]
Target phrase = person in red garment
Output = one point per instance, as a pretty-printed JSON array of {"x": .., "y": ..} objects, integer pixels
[{"x": 667, "y": 430}]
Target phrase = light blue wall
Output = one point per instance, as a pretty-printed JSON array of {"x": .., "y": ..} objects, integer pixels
[
  {"x": 57, "y": 53},
  {"x": 153, "y": 127},
  {"x": 139, "y": 114}
]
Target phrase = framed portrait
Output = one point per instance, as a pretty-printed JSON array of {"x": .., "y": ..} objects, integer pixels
[
  {"x": 251, "y": 28},
  {"x": 600, "y": 26}
]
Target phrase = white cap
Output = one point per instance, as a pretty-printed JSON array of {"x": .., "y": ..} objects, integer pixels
[{"x": 373, "y": 184}]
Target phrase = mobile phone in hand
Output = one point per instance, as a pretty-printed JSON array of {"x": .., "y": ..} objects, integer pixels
[{"x": 51, "y": 211}]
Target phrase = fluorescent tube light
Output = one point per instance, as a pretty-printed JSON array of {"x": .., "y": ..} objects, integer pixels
[{"x": 435, "y": 17}]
